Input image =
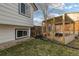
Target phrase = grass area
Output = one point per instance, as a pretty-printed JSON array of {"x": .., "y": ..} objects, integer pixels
[
  {"x": 37, "y": 47},
  {"x": 75, "y": 43}
]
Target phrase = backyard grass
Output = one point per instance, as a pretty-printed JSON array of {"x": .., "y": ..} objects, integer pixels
[
  {"x": 38, "y": 47},
  {"x": 74, "y": 43}
]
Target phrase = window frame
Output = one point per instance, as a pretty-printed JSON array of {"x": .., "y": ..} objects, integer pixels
[
  {"x": 19, "y": 9},
  {"x": 23, "y": 36},
  {"x": 23, "y": 10}
]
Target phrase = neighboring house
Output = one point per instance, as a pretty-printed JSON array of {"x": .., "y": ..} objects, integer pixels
[
  {"x": 62, "y": 28},
  {"x": 15, "y": 21}
]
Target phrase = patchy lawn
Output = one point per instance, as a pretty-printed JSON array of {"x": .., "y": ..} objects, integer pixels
[
  {"x": 75, "y": 43},
  {"x": 37, "y": 47}
]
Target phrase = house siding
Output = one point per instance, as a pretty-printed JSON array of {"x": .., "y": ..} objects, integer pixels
[
  {"x": 10, "y": 20},
  {"x": 7, "y": 33},
  {"x": 9, "y": 14}
]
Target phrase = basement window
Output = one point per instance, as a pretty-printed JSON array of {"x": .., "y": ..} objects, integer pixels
[{"x": 21, "y": 33}]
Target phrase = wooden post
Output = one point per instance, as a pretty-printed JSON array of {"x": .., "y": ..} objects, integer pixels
[
  {"x": 70, "y": 27},
  {"x": 63, "y": 28},
  {"x": 29, "y": 32},
  {"x": 42, "y": 28},
  {"x": 53, "y": 28},
  {"x": 73, "y": 28}
]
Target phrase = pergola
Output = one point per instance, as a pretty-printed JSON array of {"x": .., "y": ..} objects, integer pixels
[
  {"x": 63, "y": 20},
  {"x": 62, "y": 35}
]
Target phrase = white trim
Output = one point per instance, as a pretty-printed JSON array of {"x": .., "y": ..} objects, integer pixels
[
  {"x": 21, "y": 30},
  {"x": 29, "y": 32},
  {"x": 26, "y": 11}
]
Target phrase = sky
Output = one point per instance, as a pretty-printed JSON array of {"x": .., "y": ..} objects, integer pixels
[
  {"x": 55, "y": 11},
  {"x": 38, "y": 17}
]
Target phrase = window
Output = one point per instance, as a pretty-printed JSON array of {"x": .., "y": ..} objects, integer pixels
[
  {"x": 24, "y": 33},
  {"x": 21, "y": 33},
  {"x": 24, "y": 9}
]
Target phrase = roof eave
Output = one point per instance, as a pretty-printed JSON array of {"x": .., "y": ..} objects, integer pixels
[{"x": 34, "y": 6}]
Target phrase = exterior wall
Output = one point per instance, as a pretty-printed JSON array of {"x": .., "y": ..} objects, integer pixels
[
  {"x": 7, "y": 32},
  {"x": 9, "y": 14},
  {"x": 10, "y": 19}
]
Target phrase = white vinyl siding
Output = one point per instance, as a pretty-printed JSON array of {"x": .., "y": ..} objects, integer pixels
[
  {"x": 7, "y": 33},
  {"x": 9, "y": 14}
]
